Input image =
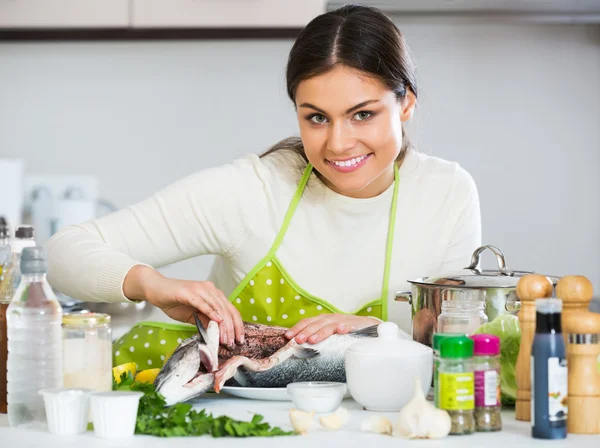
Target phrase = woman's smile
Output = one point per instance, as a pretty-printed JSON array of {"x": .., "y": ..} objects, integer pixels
[{"x": 349, "y": 165}]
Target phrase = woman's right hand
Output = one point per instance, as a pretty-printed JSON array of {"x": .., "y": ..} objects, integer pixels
[{"x": 180, "y": 299}]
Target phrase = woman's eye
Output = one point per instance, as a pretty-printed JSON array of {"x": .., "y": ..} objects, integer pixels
[
  {"x": 363, "y": 115},
  {"x": 318, "y": 118}
]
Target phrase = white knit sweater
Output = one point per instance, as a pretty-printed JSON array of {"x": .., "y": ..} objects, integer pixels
[{"x": 334, "y": 247}]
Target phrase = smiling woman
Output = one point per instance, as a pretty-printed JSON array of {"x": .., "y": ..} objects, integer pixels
[{"x": 314, "y": 235}]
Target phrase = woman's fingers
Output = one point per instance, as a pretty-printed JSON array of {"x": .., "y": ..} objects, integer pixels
[
  {"x": 322, "y": 333},
  {"x": 238, "y": 323},
  {"x": 299, "y": 327},
  {"x": 309, "y": 333},
  {"x": 203, "y": 306}
]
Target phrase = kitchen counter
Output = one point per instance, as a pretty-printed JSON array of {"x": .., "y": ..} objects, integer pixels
[{"x": 276, "y": 413}]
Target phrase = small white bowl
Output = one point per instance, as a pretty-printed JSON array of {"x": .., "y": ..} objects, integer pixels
[
  {"x": 114, "y": 413},
  {"x": 66, "y": 410},
  {"x": 317, "y": 396}
]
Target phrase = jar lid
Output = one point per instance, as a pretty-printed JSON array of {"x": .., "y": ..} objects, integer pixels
[
  {"x": 437, "y": 338},
  {"x": 86, "y": 319},
  {"x": 456, "y": 347},
  {"x": 485, "y": 344},
  {"x": 389, "y": 342}
]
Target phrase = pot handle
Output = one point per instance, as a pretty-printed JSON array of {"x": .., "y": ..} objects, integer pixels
[
  {"x": 499, "y": 258},
  {"x": 404, "y": 296},
  {"x": 512, "y": 306}
]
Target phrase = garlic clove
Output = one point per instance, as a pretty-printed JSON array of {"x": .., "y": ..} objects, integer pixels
[
  {"x": 301, "y": 421},
  {"x": 336, "y": 420},
  {"x": 420, "y": 419},
  {"x": 443, "y": 425},
  {"x": 377, "y": 424}
]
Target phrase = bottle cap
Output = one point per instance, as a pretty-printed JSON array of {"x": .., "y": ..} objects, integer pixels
[
  {"x": 437, "y": 338},
  {"x": 456, "y": 347},
  {"x": 4, "y": 230},
  {"x": 548, "y": 306},
  {"x": 485, "y": 344},
  {"x": 24, "y": 232},
  {"x": 33, "y": 260}
]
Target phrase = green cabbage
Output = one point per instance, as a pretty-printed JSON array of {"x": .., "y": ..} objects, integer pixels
[{"x": 506, "y": 327}]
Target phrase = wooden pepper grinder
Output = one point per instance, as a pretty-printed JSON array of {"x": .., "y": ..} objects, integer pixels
[
  {"x": 582, "y": 329},
  {"x": 529, "y": 288}
]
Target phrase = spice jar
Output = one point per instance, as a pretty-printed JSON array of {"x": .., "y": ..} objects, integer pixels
[
  {"x": 437, "y": 339},
  {"x": 461, "y": 316},
  {"x": 486, "y": 368},
  {"x": 87, "y": 351},
  {"x": 456, "y": 394}
]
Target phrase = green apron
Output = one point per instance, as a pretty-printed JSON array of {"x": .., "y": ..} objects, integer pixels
[{"x": 267, "y": 295}]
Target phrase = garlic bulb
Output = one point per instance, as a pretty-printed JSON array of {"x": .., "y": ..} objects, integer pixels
[
  {"x": 336, "y": 420},
  {"x": 421, "y": 420},
  {"x": 301, "y": 421},
  {"x": 377, "y": 424}
]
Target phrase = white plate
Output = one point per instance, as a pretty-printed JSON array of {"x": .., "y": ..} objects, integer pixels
[
  {"x": 262, "y": 393},
  {"x": 258, "y": 393}
]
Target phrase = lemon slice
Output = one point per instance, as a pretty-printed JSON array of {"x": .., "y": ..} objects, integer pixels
[
  {"x": 130, "y": 367},
  {"x": 147, "y": 376}
]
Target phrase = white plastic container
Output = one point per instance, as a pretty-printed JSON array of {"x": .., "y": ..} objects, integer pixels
[
  {"x": 114, "y": 413},
  {"x": 381, "y": 371},
  {"x": 66, "y": 410},
  {"x": 317, "y": 396}
]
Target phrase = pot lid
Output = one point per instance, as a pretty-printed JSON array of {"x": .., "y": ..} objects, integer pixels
[
  {"x": 389, "y": 343},
  {"x": 472, "y": 277}
]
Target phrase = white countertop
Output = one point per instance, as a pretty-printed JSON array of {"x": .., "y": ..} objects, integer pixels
[{"x": 276, "y": 413}]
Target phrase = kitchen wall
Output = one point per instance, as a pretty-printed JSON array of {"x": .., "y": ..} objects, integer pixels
[{"x": 517, "y": 105}]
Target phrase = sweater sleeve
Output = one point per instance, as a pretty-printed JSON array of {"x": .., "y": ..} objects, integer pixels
[
  {"x": 208, "y": 212},
  {"x": 465, "y": 235}
]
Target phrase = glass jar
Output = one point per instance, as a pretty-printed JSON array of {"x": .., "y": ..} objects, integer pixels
[
  {"x": 461, "y": 316},
  {"x": 486, "y": 368},
  {"x": 87, "y": 351},
  {"x": 456, "y": 381}
]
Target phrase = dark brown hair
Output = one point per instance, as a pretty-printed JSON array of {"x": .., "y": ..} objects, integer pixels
[{"x": 359, "y": 37}]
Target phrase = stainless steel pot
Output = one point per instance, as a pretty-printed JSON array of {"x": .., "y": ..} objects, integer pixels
[{"x": 497, "y": 288}]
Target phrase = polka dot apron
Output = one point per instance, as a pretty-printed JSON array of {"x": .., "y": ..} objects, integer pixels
[{"x": 267, "y": 295}]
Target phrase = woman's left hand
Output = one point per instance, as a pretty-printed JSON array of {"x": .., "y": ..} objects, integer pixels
[{"x": 319, "y": 328}]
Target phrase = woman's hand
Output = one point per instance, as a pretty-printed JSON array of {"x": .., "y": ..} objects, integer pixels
[
  {"x": 180, "y": 299},
  {"x": 319, "y": 328}
]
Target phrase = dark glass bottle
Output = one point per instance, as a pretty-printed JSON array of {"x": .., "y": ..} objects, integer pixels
[{"x": 548, "y": 373}]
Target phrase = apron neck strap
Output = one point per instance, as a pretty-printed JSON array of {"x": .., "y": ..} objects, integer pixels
[
  {"x": 291, "y": 209},
  {"x": 389, "y": 246}
]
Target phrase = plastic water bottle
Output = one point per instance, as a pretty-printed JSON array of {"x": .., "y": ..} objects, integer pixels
[{"x": 35, "y": 362}]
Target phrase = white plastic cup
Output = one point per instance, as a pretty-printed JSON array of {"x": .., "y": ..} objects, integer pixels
[
  {"x": 66, "y": 410},
  {"x": 114, "y": 413}
]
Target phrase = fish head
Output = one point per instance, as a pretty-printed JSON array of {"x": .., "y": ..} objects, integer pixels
[{"x": 188, "y": 373}]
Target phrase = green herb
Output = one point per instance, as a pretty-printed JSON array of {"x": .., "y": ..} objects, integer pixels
[{"x": 154, "y": 418}]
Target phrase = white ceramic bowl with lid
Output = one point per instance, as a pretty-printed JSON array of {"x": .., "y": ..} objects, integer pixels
[{"x": 381, "y": 372}]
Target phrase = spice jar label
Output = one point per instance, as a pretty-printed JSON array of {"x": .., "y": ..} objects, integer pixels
[
  {"x": 456, "y": 391},
  {"x": 487, "y": 389}
]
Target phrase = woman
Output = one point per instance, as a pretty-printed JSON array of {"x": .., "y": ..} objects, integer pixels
[{"x": 316, "y": 234}]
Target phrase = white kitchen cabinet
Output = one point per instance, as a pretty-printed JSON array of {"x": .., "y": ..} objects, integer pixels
[
  {"x": 224, "y": 13},
  {"x": 64, "y": 13}
]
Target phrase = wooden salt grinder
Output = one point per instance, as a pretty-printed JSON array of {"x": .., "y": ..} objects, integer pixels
[
  {"x": 582, "y": 329},
  {"x": 529, "y": 288}
]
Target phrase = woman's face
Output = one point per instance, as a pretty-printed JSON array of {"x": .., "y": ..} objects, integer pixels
[{"x": 351, "y": 128}]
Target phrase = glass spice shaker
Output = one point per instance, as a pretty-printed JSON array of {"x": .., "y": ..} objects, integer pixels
[
  {"x": 87, "y": 351},
  {"x": 461, "y": 316},
  {"x": 456, "y": 380},
  {"x": 486, "y": 367},
  {"x": 437, "y": 339}
]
